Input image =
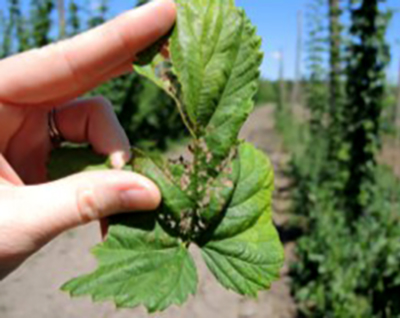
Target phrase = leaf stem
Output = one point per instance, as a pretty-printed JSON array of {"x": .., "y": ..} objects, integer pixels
[
  {"x": 182, "y": 113},
  {"x": 195, "y": 177}
]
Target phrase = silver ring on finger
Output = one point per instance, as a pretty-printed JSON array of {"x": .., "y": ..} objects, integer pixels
[{"x": 55, "y": 135}]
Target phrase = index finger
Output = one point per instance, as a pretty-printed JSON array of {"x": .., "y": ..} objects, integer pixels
[{"x": 66, "y": 69}]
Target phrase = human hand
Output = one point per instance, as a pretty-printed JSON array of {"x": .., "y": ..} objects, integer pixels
[{"x": 33, "y": 212}]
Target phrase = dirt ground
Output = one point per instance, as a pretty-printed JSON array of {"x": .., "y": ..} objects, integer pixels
[
  {"x": 33, "y": 290},
  {"x": 390, "y": 154}
]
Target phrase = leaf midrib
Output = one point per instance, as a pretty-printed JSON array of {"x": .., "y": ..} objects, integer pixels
[
  {"x": 230, "y": 71},
  {"x": 231, "y": 263}
]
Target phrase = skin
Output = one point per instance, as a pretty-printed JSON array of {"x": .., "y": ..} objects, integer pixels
[{"x": 33, "y": 212}]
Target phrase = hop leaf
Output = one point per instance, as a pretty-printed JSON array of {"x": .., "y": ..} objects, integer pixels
[
  {"x": 220, "y": 199},
  {"x": 139, "y": 264},
  {"x": 145, "y": 260}
]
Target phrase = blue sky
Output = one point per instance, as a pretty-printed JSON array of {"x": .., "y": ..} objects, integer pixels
[{"x": 276, "y": 22}]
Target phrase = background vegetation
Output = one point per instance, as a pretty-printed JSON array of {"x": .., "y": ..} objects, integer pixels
[{"x": 349, "y": 254}]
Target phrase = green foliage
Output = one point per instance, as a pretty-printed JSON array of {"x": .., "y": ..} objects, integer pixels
[
  {"x": 348, "y": 257},
  {"x": 228, "y": 76},
  {"x": 98, "y": 16},
  {"x": 73, "y": 21},
  {"x": 351, "y": 272},
  {"x": 41, "y": 21},
  {"x": 9, "y": 26},
  {"x": 369, "y": 56},
  {"x": 267, "y": 92},
  {"x": 308, "y": 137},
  {"x": 141, "y": 2},
  {"x": 3, "y": 34},
  {"x": 220, "y": 199},
  {"x": 336, "y": 126},
  {"x": 146, "y": 113},
  {"x": 148, "y": 56},
  {"x": 63, "y": 162},
  {"x": 335, "y": 39},
  {"x": 239, "y": 244},
  {"x": 229, "y": 217},
  {"x": 342, "y": 270},
  {"x": 140, "y": 263},
  {"x": 390, "y": 112},
  {"x": 20, "y": 33},
  {"x": 17, "y": 26},
  {"x": 316, "y": 85}
]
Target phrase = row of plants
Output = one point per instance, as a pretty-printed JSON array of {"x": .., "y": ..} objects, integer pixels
[{"x": 348, "y": 258}]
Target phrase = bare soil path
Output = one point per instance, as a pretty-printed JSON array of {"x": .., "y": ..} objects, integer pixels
[
  {"x": 33, "y": 290},
  {"x": 390, "y": 154}
]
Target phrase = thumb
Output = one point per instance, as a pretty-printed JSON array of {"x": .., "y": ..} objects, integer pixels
[{"x": 79, "y": 199}]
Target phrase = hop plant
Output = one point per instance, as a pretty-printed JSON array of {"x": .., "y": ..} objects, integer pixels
[{"x": 218, "y": 198}]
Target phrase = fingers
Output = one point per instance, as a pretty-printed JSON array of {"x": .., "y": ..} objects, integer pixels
[
  {"x": 94, "y": 121},
  {"x": 29, "y": 148},
  {"x": 64, "y": 98},
  {"x": 7, "y": 173},
  {"x": 50, "y": 209},
  {"x": 66, "y": 68}
]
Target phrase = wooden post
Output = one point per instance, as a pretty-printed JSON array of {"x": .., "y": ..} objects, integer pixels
[
  {"x": 282, "y": 92},
  {"x": 335, "y": 67},
  {"x": 397, "y": 107},
  {"x": 296, "y": 92},
  {"x": 396, "y": 129},
  {"x": 61, "y": 19}
]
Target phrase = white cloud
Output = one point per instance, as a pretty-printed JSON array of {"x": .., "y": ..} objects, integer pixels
[{"x": 276, "y": 55}]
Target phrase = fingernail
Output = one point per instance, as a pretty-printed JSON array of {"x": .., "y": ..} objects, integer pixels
[
  {"x": 138, "y": 200},
  {"x": 118, "y": 160},
  {"x": 155, "y": 1}
]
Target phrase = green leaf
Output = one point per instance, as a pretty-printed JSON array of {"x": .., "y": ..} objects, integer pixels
[
  {"x": 244, "y": 251},
  {"x": 253, "y": 193},
  {"x": 216, "y": 57},
  {"x": 156, "y": 72},
  {"x": 67, "y": 161},
  {"x": 249, "y": 262},
  {"x": 221, "y": 199},
  {"x": 241, "y": 246},
  {"x": 219, "y": 194},
  {"x": 175, "y": 201},
  {"x": 139, "y": 264}
]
